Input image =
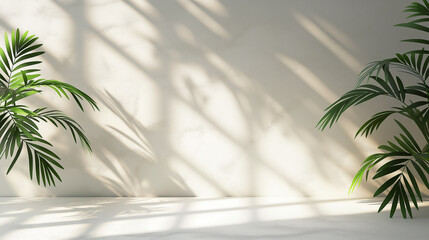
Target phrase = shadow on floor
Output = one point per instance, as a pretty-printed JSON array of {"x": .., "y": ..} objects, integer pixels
[{"x": 204, "y": 218}]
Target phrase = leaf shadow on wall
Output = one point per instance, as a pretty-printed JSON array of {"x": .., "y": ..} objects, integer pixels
[{"x": 267, "y": 104}]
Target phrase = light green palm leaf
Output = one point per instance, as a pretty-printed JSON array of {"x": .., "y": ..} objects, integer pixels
[{"x": 19, "y": 79}]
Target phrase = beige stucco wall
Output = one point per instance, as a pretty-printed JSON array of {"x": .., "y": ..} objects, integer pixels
[{"x": 207, "y": 98}]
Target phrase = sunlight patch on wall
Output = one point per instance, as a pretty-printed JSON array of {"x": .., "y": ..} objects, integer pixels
[
  {"x": 115, "y": 177},
  {"x": 205, "y": 19},
  {"x": 195, "y": 140},
  {"x": 146, "y": 7},
  {"x": 279, "y": 152},
  {"x": 308, "y": 77},
  {"x": 197, "y": 180},
  {"x": 146, "y": 109},
  {"x": 103, "y": 19},
  {"x": 139, "y": 50},
  {"x": 365, "y": 145},
  {"x": 131, "y": 87},
  {"x": 215, "y": 102},
  {"x": 337, "y": 33},
  {"x": 238, "y": 79},
  {"x": 323, "y": 38},
  {"x": 214, "y": 6},
  {"x": 185, "y": 34},
  {"x": 14, "y": 180}
]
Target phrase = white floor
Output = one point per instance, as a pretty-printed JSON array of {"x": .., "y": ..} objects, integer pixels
[{"x": 202, "y": 218}]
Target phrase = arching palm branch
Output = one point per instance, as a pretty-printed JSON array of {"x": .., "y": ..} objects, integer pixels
[
  {"x": 405, "y": 160},
  {"x": 19, "y": 79}
]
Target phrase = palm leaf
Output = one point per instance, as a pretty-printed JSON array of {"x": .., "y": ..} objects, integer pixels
[{"x": 20, "y": 79}]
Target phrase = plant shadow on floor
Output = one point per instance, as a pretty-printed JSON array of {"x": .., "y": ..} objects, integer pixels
[{"x": 182, "y": 218}]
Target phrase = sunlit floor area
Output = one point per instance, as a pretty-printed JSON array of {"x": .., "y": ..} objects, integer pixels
[{"x": 204, "y": 218}]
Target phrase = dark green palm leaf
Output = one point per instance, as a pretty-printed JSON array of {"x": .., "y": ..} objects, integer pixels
[{"x": 412, "y": 99}]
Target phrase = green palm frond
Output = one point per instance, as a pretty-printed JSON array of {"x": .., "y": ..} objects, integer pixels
[
  {"x": 420, "y": 13},
  {"x": 414, "y": 63},
  {"x": 401, "y": 155},
  {"x": 374, "y": 123},
  {"x": 363, "y": 93},
  {"x": 371, "y": 68},
  {"x": 19, "y": 79},
  {"x": 58, "y": 118},
  {"x": 404, "y": 161},
  {"x": 61, "y": 88}
]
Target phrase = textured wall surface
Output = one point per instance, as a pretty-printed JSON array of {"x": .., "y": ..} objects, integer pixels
[{"x": 207, "y": 98}]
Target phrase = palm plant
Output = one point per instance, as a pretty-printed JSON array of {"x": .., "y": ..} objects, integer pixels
[
  {"x": 20, "y": 79},
  {"x": 404, "y": 160}
]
